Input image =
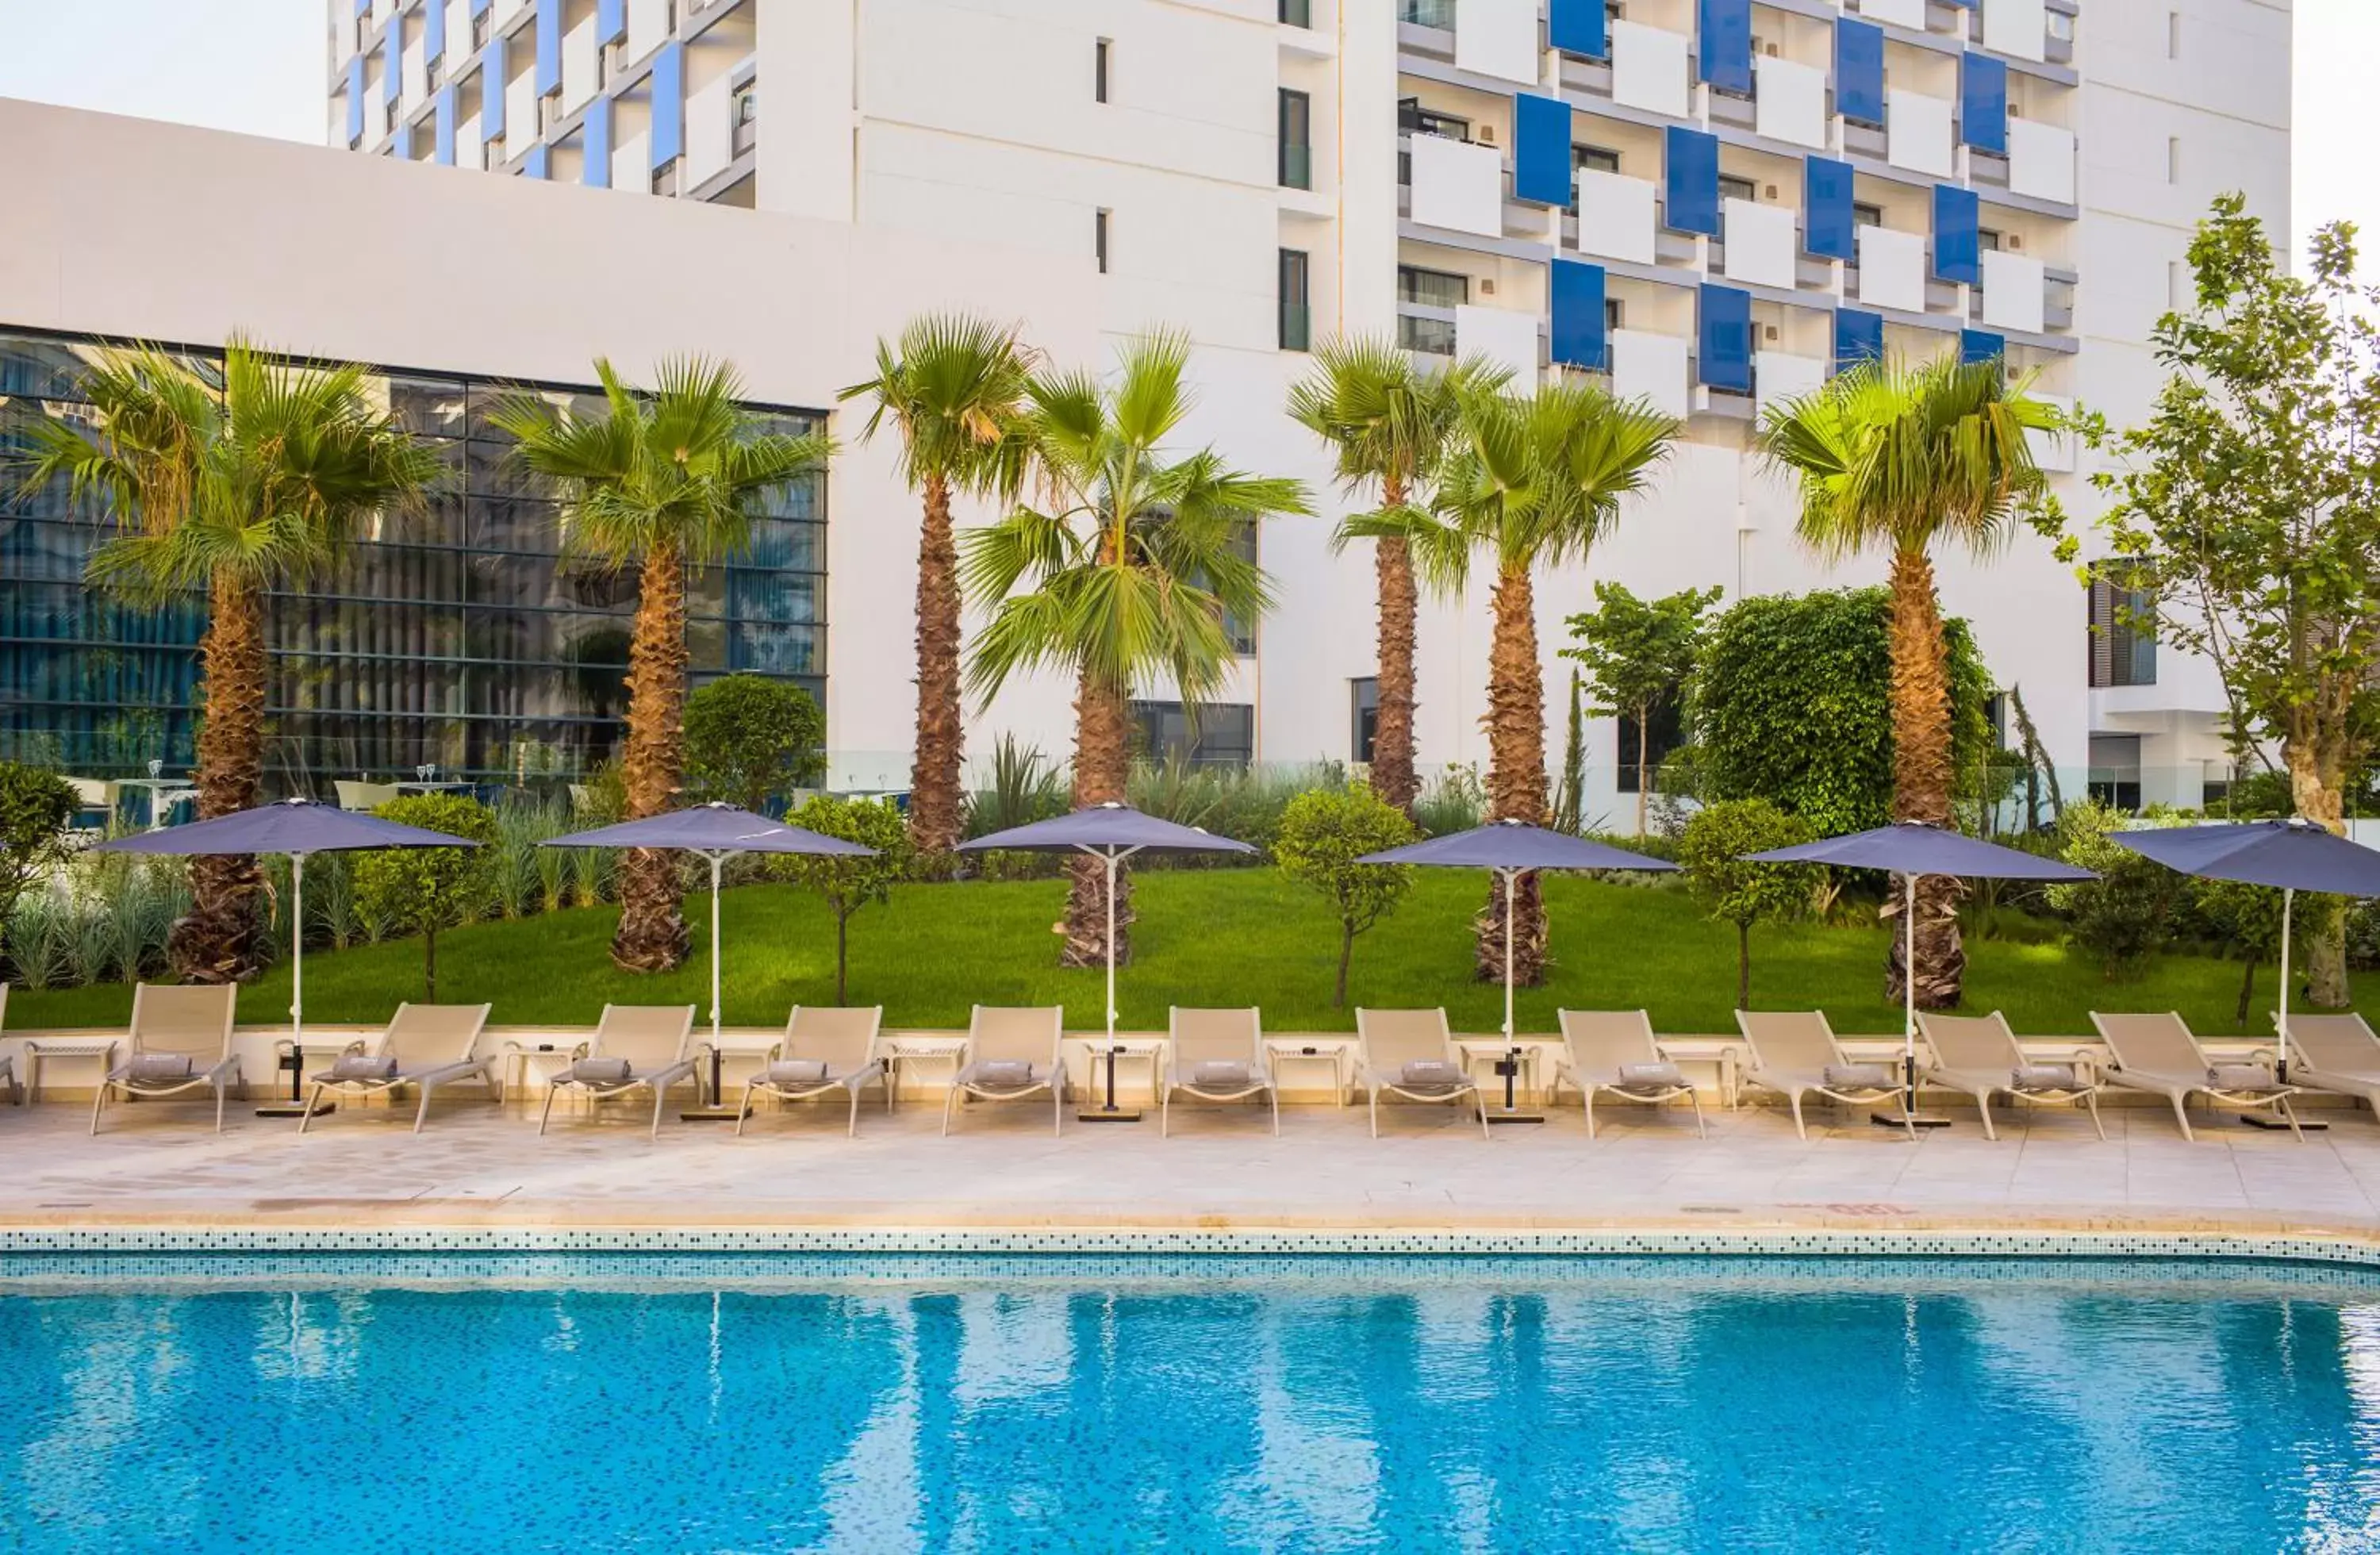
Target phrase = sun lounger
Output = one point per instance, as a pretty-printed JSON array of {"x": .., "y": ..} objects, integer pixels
[
  {"x": 1794, "y": 1053},
  {"x": 1979, "y": 1055},
  {"x": 179, "y": 1040},
  {"x": 8, "y": 1062},
  {"x": 1012, "y": 1053},
  {"x": 1410, "y": 1053},
  {"x": 635, "y": 1047},
  {"x": 2157, "y": 1053},
  {"x": 1216, "y": 1055},
  {"x": 2336, "y": 1053},
  {"x": 425, "y": 1046},
  {"x": 825, "y": 1049},
  {"x": 1613, "y": 1052}
]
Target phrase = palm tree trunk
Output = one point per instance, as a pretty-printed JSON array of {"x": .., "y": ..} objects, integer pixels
[
  {"x": 653, "y": 935},
  {"x": 1921, "y": 781},
  {"x": 220, "y": 939},
  {"x": 1516, "y": 776},
  {"x": 1102, "y": 763},
  {"x": 1392, "y": 729},
  {"x": 936, "y": 822}
]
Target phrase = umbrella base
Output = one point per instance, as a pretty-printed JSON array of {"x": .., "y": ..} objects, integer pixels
[
  {"x": 296, "y": 1109},
  {"x": 2309, "y": 1124},
  {"x": 707, "y": 1115},
  {"x": 1498, "y": 1116},
  {"x": 1108, "y": 1114},
  {"x": 1894, "y": 1120}
]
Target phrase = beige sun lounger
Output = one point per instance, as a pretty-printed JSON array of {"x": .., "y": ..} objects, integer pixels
[
  {"x": 2157, "y": 1053},
  {"x": 1597, "y": 1046},
  {"x": 1012, "y": 1052},
  {"x": 8, "y": 1062},
  {"x": 179, "y": 1040},
  {"x": 1216, "y": 1055},
  {"x": 656, "y": 1041},
  {"x": 1794, "y": 1053},
  {"x": 2336, "y": 1053},
  {"x": 431, "y": 1044},
  {"x": 825, "y": 1049},
  {"x": 1410, "y": 1053},
  {"x": 1979, "y": 1055}
]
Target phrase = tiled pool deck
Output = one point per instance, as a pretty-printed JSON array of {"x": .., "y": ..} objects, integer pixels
[{"x": 484, "y": 1174}]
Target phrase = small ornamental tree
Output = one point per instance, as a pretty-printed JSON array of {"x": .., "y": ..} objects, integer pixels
[
  {"x": 1737, "y": 892},
  {"x": 750, "y": 738},
  {"x": 2126, "y": 916},
  {"x": 1639, "y": 656},
  {"x": 1323, "y": 832},
  {"x": 849, "y": 885},
  {"x": 36, "y": 808},
  {"x": 422, "y": 889},
  {"x": 2249, "y": 917}
]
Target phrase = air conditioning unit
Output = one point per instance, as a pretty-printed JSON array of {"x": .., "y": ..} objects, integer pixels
[{"x": 1486, "y": 286}]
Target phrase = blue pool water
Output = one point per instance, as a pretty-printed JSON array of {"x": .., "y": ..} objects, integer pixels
[{"x": 598, "y": 1405}]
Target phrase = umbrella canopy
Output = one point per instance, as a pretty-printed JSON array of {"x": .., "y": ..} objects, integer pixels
[
  {"x": 1515, "y": 846},
  {"x": 2290, "y": 856},
  {"x": 1101, "y": 829},
  {"x": 296, "y": 827},
  {"x": 292, "y": 826}
]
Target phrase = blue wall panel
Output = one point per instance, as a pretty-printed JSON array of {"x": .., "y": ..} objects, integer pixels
[
  {"x": 1859, "y": 336},
  {"x": 538, "y": 161},
  {"x": 1690, "y": 180},
  {"x": 445, "y": 146},
  {"x": 1723, "y": 47},
  {"x": 611, "y": 20},
  {"x": 1957, "y": 214},
  {"x": 1983, "y": 101},
  {"x": 1829, "y": 228},
  {"x": 492, "y": 91},
  {"x": 354, "y": 99},
  {"x": 548, "y": 46},
  {"x": 480, "y": 8},
  {"x": 1578, "y": 316},
  {"x": 669, "y": 103},
  {"x": 1577, "y": 27},
  {"x": 1981, "y": 345},
  {"x": 595, "y": 142},
  {"x": 1541, "y": 161},
  {"x": 433, "y": 32},
  {"x": 1858, "y": 70},
  {"x": 1727, "y": 338},
  {"x": 391, "y": 67}
]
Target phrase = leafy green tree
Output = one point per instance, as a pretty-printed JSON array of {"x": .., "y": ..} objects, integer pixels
[
  {"x": 1323, "y": 832},
  {"x": 662, "y": 482},
  {"x": 37, "y": 807},
  {"x": 847, "y": 883},
  {"x": 1906, "y": 459},
  {"x": 1735, "y": 890},
  {"x": 2126, "y": 916},
  {"x": 1531, "y": 482},
  {"x": 422, "y": 889},
  {"x": 1793, "y": 703},
  {"x": 750, "y": 738},
  {"x": 2249, "y": 916},
  {"x": 954, "y": 387},
  {"x": 2248, "y": 509},
  {"x": 1639, "y": 658},
  {"x": 227, "y": 492},
  {"x": 1130, "y": 574}
]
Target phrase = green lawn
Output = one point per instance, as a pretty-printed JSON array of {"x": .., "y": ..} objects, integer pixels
[{"x": 1230, "y": 936}]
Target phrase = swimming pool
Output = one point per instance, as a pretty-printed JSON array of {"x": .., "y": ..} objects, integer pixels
[{"x": 753, "y": 1404}]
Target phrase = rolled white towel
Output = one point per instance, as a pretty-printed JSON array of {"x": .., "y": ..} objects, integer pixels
[
  {"x": 1860, "y": 1077},
  {"x": 2045, "y": 1077},
  {"x": 1219, "y": 1073},
  {"x": 160, "y": 1067},
  {"x": 797, "y": 1072},
  {"x": 1004, "y": 1073},
  {"x": 601, "y": 1071},
  {"x": 1431, "y": 1074},
  {"x": 2240, "y": 1076},
  {"x": 364, "y": 1066},
  {"x": 1650, "y": 1076}
]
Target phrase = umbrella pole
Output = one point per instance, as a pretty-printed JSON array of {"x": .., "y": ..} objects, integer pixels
[
  {"x": 1109, "y": 1112},
  {"x": 1909, "y": 1117},
  {"x": 717, "y": 1111},
  {"x": 296, "y": 1106},
  {"x": 1509, "y": 1066},
  {"x": 2288, "y": 900}
]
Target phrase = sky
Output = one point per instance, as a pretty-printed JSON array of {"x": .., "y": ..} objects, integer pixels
[{"x": 260, "y": 66}]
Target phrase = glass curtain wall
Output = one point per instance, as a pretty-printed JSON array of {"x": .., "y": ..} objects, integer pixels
[{"x": 460, "y": 635}]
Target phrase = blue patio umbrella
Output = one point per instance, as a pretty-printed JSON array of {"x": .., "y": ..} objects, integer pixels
[
  {"x": 2292, "y": 855},
  {"x": 1110, "y": 833},
  {"x": 295, "y": 828},
  {"x": 1913, "y": 849},
  {"x": 718, "y": 832},
  {"x": 1511, "y": 849}
]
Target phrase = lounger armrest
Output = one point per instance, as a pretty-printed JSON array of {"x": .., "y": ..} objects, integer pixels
[{"x": 858, "y": 1078}]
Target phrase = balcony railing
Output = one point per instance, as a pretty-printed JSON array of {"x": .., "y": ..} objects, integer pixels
[{"x": 1426, "y": 13}]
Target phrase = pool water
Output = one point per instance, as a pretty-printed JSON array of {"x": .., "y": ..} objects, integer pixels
[{"x": 1292, "y": 1405}]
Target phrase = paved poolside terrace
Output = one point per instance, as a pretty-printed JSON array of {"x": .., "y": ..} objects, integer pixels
[{"x": 480, "y": 1165}]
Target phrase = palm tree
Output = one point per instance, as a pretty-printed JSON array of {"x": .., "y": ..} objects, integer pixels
[
  {"x": 1129, "y": 578},
  {"x": 227, "y": 494},
  {"x": 1389, "y": 424},
  {"x": 662, "y": 482},
  {"x": 955, "y": 390},
  {"x": 1531, "y": 482},
  {"x": 1904, "y": 458}
]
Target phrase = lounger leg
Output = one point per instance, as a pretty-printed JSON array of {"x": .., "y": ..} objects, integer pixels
[
  {"x": 98, "y": 1099},
  {"x": 661, "y": 1096},
  {"x": 1796, "y": 1098},
  {"x": 950, "y": 1099},
  {"x": 1590, "y": 1112},
  {"x": 1908, "y": 1117},
  {"x": 1696, "y": 1103},
  {"x": 852, "y": 1130},
  {"x": 2182, "y": 1117},
  {"x": 2291, "y": 1113},
  {"x": 421, "y": 1113},
  {"x": 1274, "y": 1093},
  {"x": 314, "y": 1099},
  {"x": 2090, "y": 1100},
  {"x": 1165, "y": 1112},
  {"x": 1376, "y": 1116},
  {"x": 1058, "y": 1106},
  {"x": 743, "y": 1110},
  {"x": 547, "y": 1115},
  {"x": 223, "y": 1090},
  {"x": 1984, "y": 1106}
]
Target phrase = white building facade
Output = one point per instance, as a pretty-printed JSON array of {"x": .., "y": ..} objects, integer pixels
[{"x": 1708, "y": 203}]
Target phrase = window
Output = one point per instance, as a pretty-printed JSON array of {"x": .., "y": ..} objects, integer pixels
[
  {"x": 2173, "y": 159},
  {"x": 1297, "y": 13},
  {"x": 1426, "y": 13},
  {"x": 1242, "y": 633},
  {"x": 1987, "y": 240},
  {"x": 1612, "y": 314},
  {"x": 1429, "y": 289},
  {"x": 1865, "y": 214},
  {"x": 1599, "y": 158},
  {"x": 1364, "y": 718},
  {"x": 1669, "y": 733},
  {"x": 1100, "y": 60},
  {"x": 1296, "y": 309},
  {"x": 2124, "y": 630},
  {"x": 1296, "y": 140},
  {"x": 1099, "y": 240},
  {"x": 1731, "y": 187},
  {"x": 1414, "y": 120},
  {"x": 2173, "y": 285},
  {"x": 2115, "y": 774},
  {"x": 1218, "y": 734},
  {"x": 2173, "y": 34}
]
